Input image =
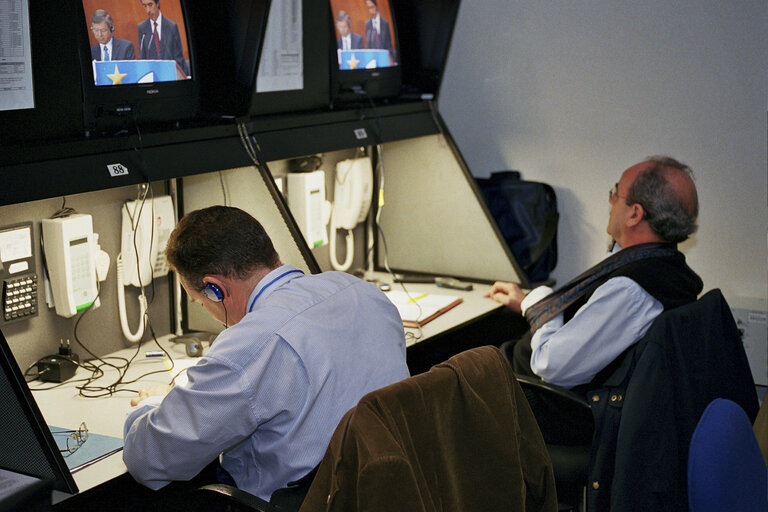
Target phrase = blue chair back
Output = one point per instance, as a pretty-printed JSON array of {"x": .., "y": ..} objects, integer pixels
[{"x": 726, "y": 470}]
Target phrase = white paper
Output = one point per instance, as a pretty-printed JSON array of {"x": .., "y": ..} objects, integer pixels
[
  {"x": 282, "y": 58},
  {"x": 16, "y": 88}
]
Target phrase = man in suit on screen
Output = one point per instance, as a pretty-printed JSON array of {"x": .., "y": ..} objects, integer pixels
[
  {"x": 159, "y": 37},
  {"x": 109, "y": 48},
  {"x": 348, "y": 40},
  {"x": 377, "y": 33}
]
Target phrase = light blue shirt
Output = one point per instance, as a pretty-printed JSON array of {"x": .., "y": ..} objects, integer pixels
[
  {"x": 615, "y": 317},
  {"x": 269, "y": 393}
]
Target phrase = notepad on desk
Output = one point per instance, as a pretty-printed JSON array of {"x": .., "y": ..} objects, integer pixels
[{"x": 417, "y": 308}]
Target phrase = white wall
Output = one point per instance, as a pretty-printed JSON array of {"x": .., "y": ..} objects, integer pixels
[{"x": 573, "y": 92}]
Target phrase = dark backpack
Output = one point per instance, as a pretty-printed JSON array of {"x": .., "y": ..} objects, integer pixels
[{"x": 526, "y": 213}]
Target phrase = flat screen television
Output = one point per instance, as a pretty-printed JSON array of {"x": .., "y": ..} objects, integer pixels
[
  {"x": 366, "y": 59},
  {"x": 27, "y": 445},
  {"x": 137, "y": 63}
]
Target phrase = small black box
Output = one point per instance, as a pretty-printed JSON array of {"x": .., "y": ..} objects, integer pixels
[{"x": 55, "y": 368}]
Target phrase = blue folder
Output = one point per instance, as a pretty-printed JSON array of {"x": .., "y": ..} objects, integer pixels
[{"x": 95, "y": 448}]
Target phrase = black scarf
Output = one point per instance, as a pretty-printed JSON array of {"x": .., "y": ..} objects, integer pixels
[{"x": 556, "y": 302}]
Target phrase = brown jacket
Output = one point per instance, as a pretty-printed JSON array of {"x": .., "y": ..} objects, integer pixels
[{"x": 460, "y": 437}]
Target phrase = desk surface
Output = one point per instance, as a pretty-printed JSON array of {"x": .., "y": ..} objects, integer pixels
[
  {"x": 473, "y": 306},
  {"x": 64, "y": 407}
]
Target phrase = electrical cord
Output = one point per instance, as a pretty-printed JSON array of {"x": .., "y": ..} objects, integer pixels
[
  {"x": 96, "y": 365},
  {"x": 409, "y": 335}
]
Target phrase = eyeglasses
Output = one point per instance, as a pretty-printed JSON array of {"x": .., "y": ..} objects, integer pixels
[
  {"x": 614, "y": 193},
  {"x": 99, "y": 30},
  {"x": 75, "y": 438}
]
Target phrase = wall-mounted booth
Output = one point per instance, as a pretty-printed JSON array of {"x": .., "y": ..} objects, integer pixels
[{"x": 255, "y": 99}]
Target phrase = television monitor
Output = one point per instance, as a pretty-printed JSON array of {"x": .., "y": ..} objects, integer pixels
[
  {"x": 27, "y": 445},
  {"x": 137, "y": 64},
  {"x": 366, "y": 54}
]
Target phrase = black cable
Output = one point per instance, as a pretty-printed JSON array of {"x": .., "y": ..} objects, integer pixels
[
  {"x": 223, "y": 188},
  {"x": 409, "y": 335}
]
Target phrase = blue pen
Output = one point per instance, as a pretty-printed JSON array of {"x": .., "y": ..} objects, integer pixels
[{"x": 155, "y": 353}]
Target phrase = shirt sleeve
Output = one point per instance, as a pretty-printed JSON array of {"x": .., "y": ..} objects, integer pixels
[
  {"x": 222, "y": 404},
  {"x": 615, "y": 317}
]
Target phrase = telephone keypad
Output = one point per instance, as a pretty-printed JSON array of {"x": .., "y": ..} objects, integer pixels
[{"x": 20, "y": 298}]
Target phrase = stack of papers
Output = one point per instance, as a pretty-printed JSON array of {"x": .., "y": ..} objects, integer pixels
[{"x": 417, "y": 308}]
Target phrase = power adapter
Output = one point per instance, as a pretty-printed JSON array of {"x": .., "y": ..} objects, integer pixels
[{"x": 58, "y": 367}]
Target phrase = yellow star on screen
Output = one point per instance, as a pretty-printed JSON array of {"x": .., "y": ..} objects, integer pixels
[
  {"x": 353, "y": 62},
  {"x": 117, "y": 76}
]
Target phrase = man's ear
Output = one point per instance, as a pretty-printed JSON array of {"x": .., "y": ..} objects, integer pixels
[{"x": 637, "y": 215}]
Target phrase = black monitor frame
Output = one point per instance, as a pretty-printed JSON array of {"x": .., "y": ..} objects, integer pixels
[
  {"x": 27, "y": 445},
  {"x": 108, "y": 109}
]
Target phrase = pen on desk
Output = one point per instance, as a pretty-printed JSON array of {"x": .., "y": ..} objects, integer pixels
[{"x": 154, "y": 353}]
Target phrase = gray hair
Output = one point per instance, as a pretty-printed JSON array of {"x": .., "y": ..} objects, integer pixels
[
  {"x": 101, "y": 15},
  {"x": 665, "y": 210},
  {"x": 343, "y": 16}
]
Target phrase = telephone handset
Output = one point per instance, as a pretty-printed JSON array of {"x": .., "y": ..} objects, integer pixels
[
  {"x": 147, "y": 225},
  {"x": 69, "y": 257},
  {"x": 352, "y": 194}
]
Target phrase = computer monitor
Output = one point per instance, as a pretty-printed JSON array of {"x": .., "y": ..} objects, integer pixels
[
  {"x": 137, "y": 63},
  {"x": 366, "y": 60},
  {"x": 26, "y": 444}
]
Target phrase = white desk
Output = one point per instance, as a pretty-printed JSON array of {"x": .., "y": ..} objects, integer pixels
[
  {"x": 473, "y": 306},
  {"x": 63, "y": 407}
]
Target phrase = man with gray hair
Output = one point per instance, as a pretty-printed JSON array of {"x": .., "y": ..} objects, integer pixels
[
  {"x": 347, "y": 40},
  {"x": 109, "y": 48},
  {"x": 580, "y": 329}
]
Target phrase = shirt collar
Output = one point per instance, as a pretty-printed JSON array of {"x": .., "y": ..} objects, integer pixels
[{"x": 271, "y": 282}]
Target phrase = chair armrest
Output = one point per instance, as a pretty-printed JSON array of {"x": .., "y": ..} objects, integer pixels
[
  {"x": 224, "y": 497},
  {"x": 564, "y": 417},
  {"x": 565, "y": 394}
]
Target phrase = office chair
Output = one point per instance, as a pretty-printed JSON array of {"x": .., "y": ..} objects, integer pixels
[
  {"x": 569, "y": 448},
  {"x": 726, "y": 470},
  {"x": 460, "y": 437},
  {"x": 221, "y": 497}
]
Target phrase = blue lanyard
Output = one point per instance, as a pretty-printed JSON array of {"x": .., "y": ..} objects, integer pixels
[{"x": 253, "y": 302}]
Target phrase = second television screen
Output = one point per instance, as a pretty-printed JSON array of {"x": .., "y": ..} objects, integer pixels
[{"x": 365, "y": 34}]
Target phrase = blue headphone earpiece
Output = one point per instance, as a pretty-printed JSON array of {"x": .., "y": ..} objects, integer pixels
[{"x": 213, "y": 292}]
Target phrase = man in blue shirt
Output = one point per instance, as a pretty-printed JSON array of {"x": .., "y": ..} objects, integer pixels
[
  {"x": 298, "y": 351},
  {"x": 577, "y": 331}
]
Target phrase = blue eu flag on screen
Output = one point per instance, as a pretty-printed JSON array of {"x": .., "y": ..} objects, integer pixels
[
  {"x": 363, "y": 59},
  {"x": 119, "y": 72}
]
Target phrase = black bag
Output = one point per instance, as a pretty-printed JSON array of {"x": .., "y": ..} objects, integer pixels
[{"x": 526, "y": 213}]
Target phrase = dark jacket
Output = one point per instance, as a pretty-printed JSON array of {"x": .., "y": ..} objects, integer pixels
[
  {"x": 460, "y": 437},
  {"x": 647, "y": 410}
]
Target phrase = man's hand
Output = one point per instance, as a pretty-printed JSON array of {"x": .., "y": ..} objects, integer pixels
[
  {"x": 508, "y": 294},
  {"x": 159, "y": 390}
]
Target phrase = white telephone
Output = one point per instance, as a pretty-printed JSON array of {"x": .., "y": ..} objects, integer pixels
[
  {"x": 147, "y": 224},
  {"x": 68, "y": 244},
  {"x": 352, "y": 195}
]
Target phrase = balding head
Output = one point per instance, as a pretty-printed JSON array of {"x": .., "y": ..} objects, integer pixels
[{"x": 665, "y": 189}]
